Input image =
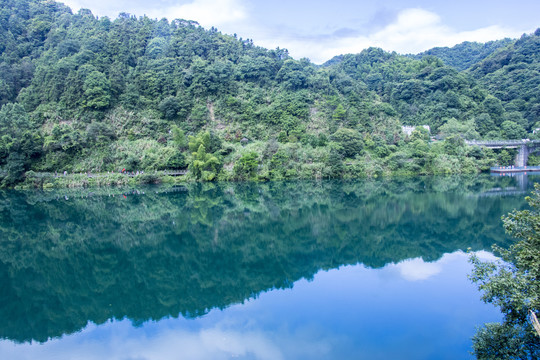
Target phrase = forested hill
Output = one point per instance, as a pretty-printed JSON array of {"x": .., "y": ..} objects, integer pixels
[
  {"x": 81, "y": 93},
  {"x": 466, "y": 54}
]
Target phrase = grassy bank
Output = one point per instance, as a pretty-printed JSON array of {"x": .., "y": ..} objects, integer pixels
[{"x": 53, "y": 181}]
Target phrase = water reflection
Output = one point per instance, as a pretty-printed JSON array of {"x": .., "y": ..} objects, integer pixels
[
  {"x": 520, "y": 186},
  {"x": 71, "y": 257},
  {"x": 351, "y": 313}
]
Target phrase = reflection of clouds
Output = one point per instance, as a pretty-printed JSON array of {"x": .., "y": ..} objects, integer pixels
[
  {"x": 231, "y": 343},
  {"x": 486, "y": 256},
  {"x": 417, "y": 269},
  {"x": 285, "y": 324},
  {"x": 173, "y": 344},
  {"x": 119, "y": 341}
]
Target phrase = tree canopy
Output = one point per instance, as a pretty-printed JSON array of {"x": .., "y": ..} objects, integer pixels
[{"x": 513, "y": 284}]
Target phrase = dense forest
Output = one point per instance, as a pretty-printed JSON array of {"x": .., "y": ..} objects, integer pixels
[{"x": 79, "y": 93}]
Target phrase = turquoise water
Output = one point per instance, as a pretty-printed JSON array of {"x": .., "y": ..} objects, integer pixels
[{"x": 296, "y": 270}]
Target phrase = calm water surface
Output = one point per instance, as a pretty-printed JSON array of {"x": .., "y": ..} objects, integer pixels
[{"x": 297, "y": 270}]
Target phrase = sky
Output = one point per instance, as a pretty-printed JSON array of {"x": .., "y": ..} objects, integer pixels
[{"x": 320, "y": 30}]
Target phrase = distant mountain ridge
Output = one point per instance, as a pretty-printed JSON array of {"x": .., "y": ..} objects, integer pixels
[
  {"x": 466, "y": 54},
  {"x": 461, "y": 56}
]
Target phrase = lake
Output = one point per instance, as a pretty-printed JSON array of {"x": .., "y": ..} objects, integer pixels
[{"x": 371, "y": 269}]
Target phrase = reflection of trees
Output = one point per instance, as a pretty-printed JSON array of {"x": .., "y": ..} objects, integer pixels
[{"x": 146, "y": 256}]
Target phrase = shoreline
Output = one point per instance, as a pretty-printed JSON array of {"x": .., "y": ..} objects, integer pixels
[{"x": 50, "y": 181}]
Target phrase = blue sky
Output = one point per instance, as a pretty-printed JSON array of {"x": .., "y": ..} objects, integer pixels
[{"x": 320, "y": 30}]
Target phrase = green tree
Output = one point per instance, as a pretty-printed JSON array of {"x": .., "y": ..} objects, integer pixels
[
  {"x": 494, "y": 108},
  {"x": 14, "y": 170},
  {"x": 202, "y": 138},
  {"x": 204, "y": 166},
  {"x": 339, "y": 114},
  {"x": 246, "y": 167},
  {"x": 179, "y": 137},
  {"x": 293, "y": 75},
  {"x": 98, "y": 133},
  {"x": 335, "y": 163},
  {"x": 169, "y": 107},
  {"x": 20, "y": 142},
  {"x": 209, "y": 139},
  {"x": 199, "y": 115},
  {"x": 349, "y": 142},
  {"x": 516, "y": 117},
  {"x": 512, "y": 130},
  {"x": 176, "y": 161},
  {"x": 505, "y": 158},
  {"x": 279, "y": 164},
  {"x": 97, "y": 90},
  {"x": 465, "y": 130},
  {"x": 484, "y": 123},
  {"x": 512, "y": 284},
  {"x": 419, "y": 133}
]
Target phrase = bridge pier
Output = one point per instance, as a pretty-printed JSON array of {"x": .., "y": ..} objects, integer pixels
[
  {"x": 522, "y": 156},
  {"x": 525, "y": 147}
]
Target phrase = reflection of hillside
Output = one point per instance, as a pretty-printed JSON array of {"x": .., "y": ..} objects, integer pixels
[{"x": 147, "y": 256}]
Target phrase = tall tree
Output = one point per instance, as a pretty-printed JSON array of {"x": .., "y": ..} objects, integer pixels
[{"x": 513, "y": 284}]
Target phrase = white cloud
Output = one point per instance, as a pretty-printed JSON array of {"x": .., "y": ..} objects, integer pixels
[
  {"x": 208, "y": 13},
  {"x": 98, "y": 7},
  {"x": 73, "y": 4},
  {"x": 413, "y": 31},
  {"x": 417, "y": 30}
]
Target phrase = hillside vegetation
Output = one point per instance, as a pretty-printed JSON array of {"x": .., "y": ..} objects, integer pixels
[
  {"x": 464, "y": 55},
  {"x": 81, "y": 93}
]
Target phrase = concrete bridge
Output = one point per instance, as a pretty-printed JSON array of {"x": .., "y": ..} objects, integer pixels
[{"x": 525, "y": 147}]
